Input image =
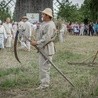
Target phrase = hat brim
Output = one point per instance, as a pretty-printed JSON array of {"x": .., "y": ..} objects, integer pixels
[
  {"x": 46, "y": 13},
  {"x": 24, "y": 18}
]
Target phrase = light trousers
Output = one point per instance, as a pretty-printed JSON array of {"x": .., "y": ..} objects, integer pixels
[
  {"x": 44, "y": 70},
  {"x": 25, "y": 44},
  {"x": 8, "y": 41}
]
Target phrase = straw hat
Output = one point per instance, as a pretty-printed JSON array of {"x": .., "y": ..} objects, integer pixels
[
  {"x": 48, "y": 11},
  {"x": 24, "y": 17}
]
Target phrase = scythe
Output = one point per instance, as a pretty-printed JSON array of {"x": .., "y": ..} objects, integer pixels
[{"x": 40, "y": 51}]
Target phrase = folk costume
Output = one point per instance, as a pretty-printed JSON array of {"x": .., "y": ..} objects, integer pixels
[
  {"x": 8, "y": 29},
  {"x": 47, "y": 31},
  {"x": 3, "y": 36}
]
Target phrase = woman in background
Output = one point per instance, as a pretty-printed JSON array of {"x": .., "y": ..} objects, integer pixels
[{"x": 3, "y": 35}]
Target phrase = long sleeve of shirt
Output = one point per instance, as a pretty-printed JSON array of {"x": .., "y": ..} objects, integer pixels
[{"x": 47, "y": 33}]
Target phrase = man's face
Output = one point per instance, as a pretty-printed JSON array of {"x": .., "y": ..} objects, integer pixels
[
  {"x": 44, "y": 17},
  {"x": 24, "y": 20},
  {"x": 8, "y": 20}
]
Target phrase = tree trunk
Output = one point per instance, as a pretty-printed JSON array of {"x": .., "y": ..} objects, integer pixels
[{"x": 30, "y": 6}]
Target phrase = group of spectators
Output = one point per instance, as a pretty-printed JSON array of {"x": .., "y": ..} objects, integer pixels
[
  {"x": 8, "y": 31},
  {"x": 89, "y": 29}
]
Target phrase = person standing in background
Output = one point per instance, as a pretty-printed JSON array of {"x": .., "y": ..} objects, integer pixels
[
  {"x": 91, "y": 30},
  {"x": 96, "y": 28},
  {"x": 14, "y": 27},
  {"x": 3, "y": 35},
  {"x": 27, "y": 32},
  {"x": 81, "y": 29},
  {"x": 8, "y": 28},
  {"x": 62, "y": 32}
]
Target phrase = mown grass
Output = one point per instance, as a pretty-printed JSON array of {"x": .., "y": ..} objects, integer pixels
[{"x": 20, "y": 80}]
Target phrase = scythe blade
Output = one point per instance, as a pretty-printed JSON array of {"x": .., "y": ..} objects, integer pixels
[{"x": 15, "y": 46}]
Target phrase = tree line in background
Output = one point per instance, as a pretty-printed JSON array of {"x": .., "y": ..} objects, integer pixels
[
  {"x": 90, "y": 9},
  {"x": 66, "y": 11},
  {"x": 69, "y": 12}
]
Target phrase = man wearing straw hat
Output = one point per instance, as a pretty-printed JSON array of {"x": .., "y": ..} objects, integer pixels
[
  {"x": 25, "y": 26},
  {"x": 46, "y": 32}
]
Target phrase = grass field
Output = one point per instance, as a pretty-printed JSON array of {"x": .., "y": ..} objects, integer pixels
[{"x": 20, "y": 80}]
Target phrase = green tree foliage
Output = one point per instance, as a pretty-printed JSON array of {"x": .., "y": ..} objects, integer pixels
[
  {"x": 69, "y": 12},
  {"x": 94, "y": 9},
  {"x": 90, "y": 9},
  {"x": 4, "y": 11},
  {"x": 85, "y": 9}
]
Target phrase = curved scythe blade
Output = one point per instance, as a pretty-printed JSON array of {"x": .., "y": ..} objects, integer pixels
[{"x": 15, "y": 47}]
